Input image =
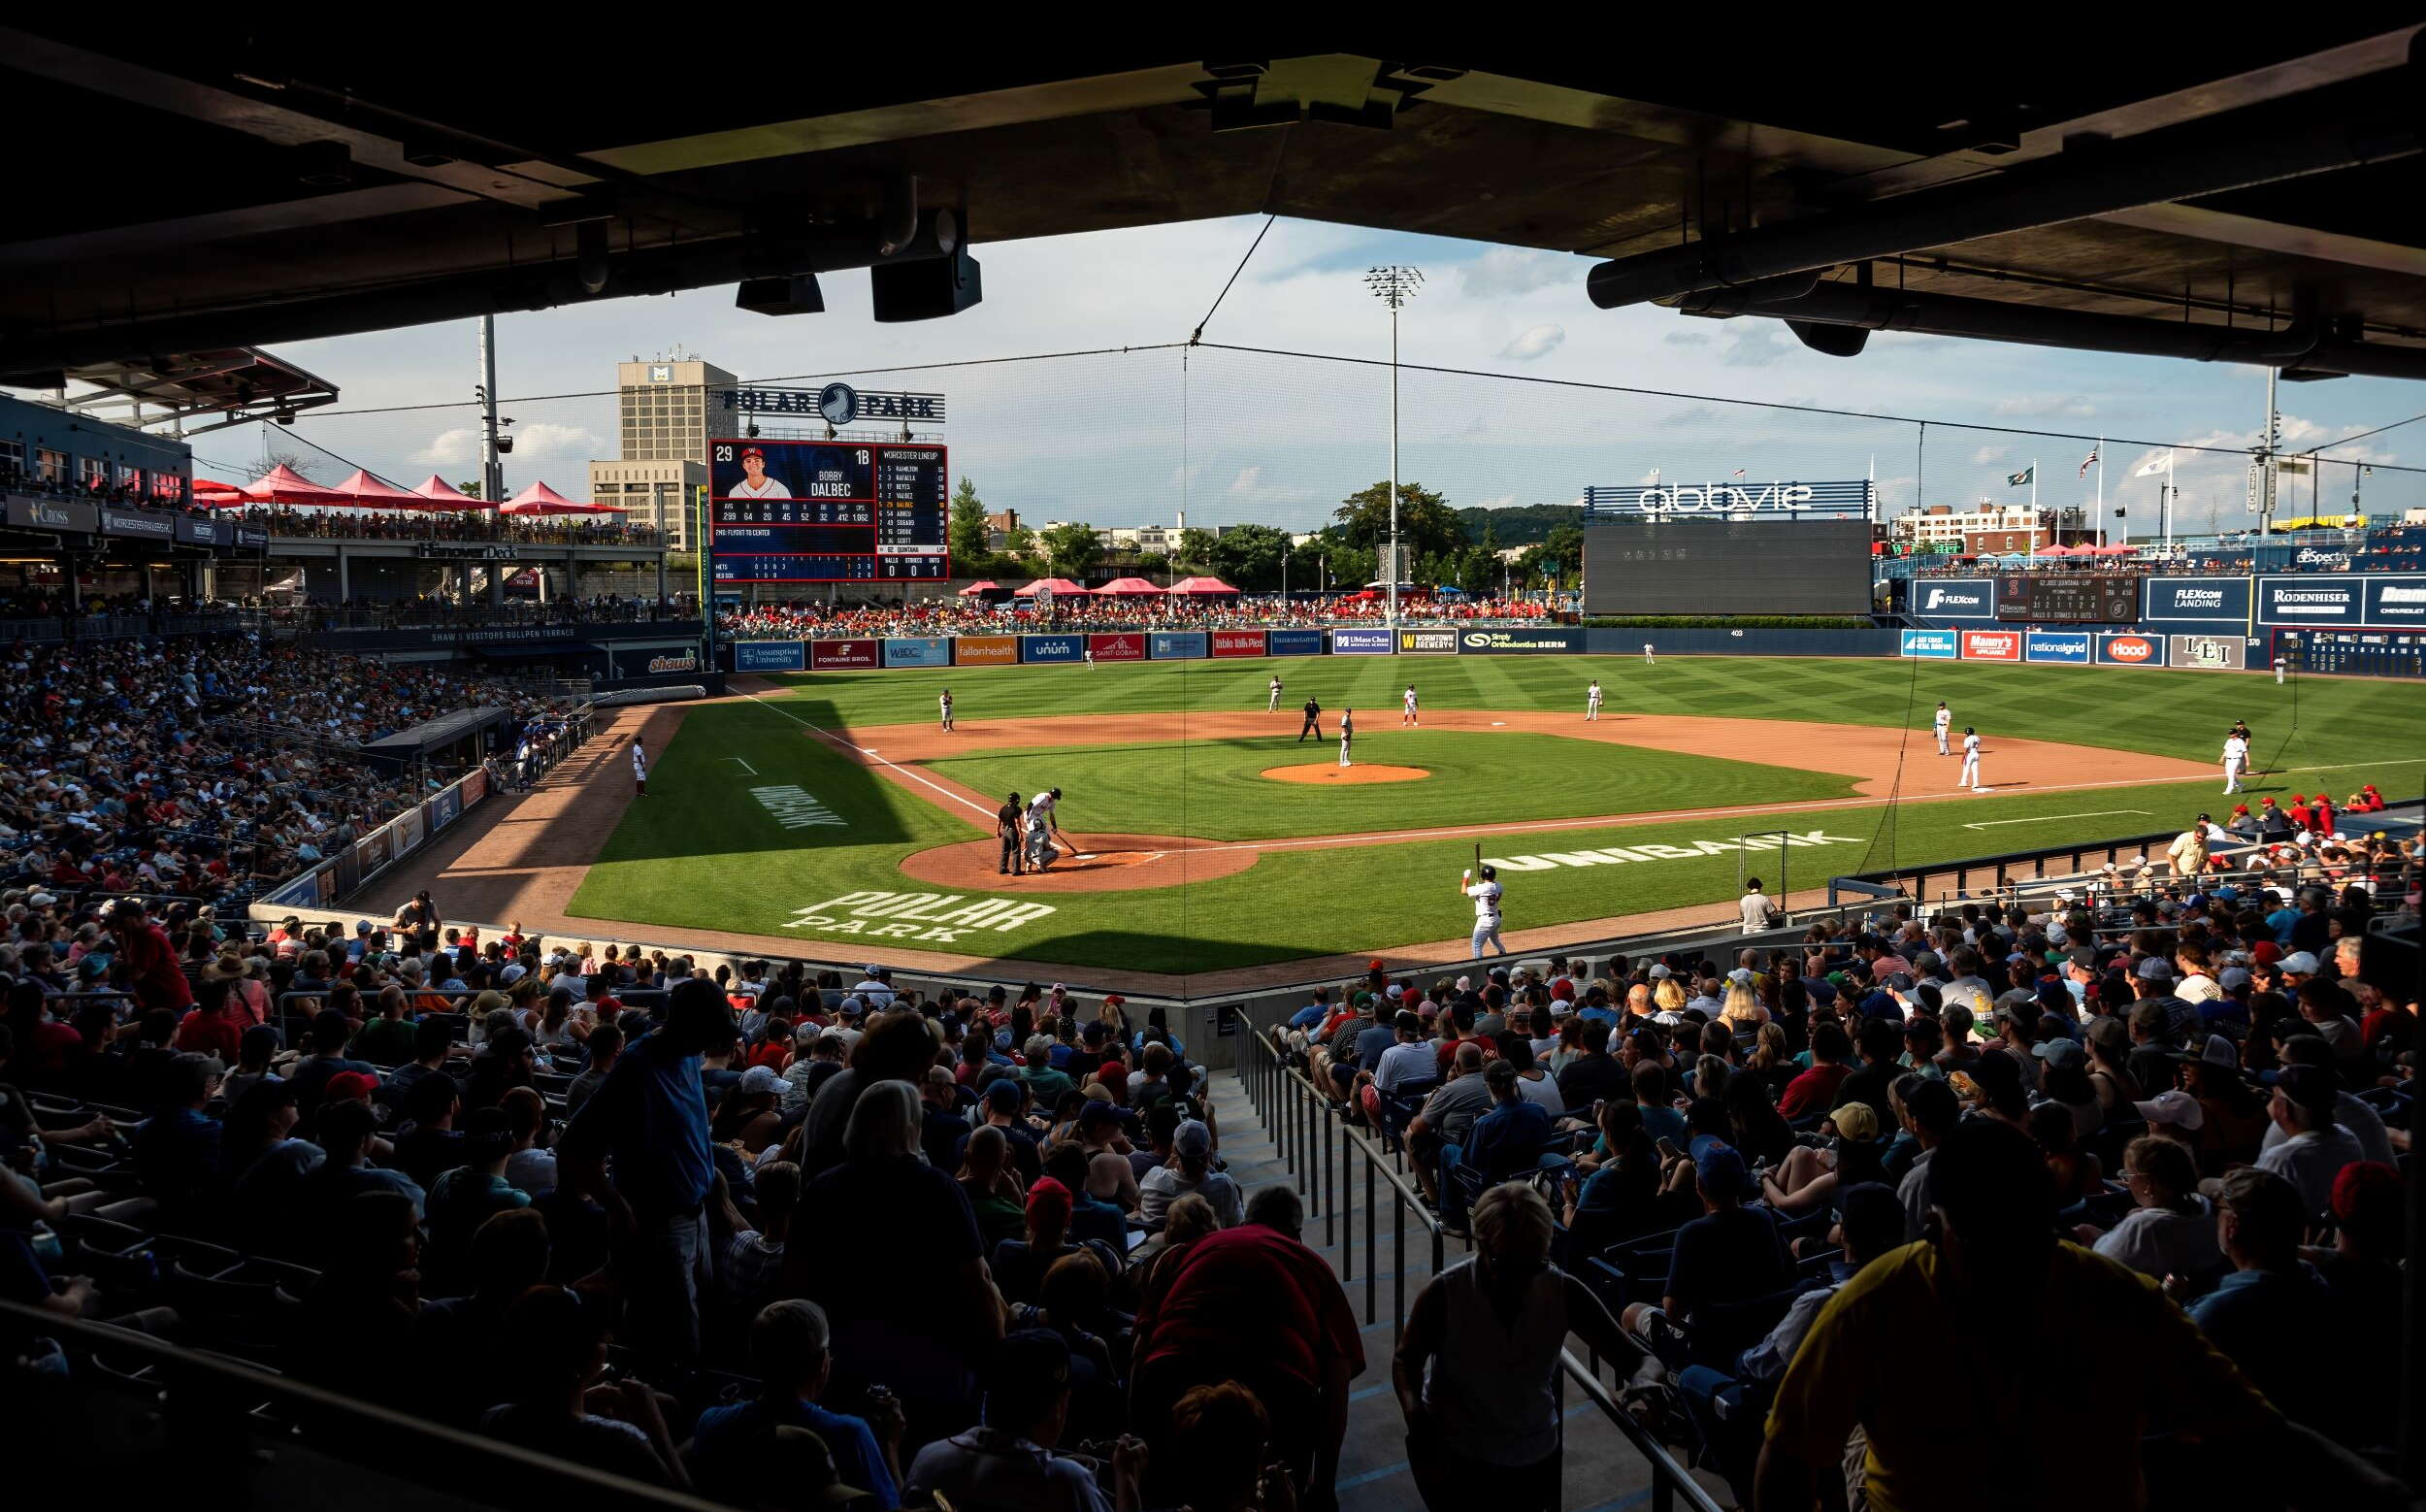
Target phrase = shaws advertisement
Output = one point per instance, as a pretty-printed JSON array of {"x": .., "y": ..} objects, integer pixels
[
  {"x": 823, "y": 654},
  {"x": 1505, "y": 641}
]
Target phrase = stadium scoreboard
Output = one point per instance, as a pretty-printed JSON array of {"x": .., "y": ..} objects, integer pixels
[
  {"x": 2354, "y": 653},
  {"x": 2069, "y": 598},
  {"x": 794, "y": 512},
  {"x": 1643, "y": 564}
]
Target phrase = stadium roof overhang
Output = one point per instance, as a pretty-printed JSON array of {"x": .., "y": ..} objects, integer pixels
[
  {"x": 201, "y": 390},
  {"x": 2210, "y": 192}
]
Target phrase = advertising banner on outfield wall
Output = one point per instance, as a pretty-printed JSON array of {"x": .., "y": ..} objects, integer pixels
[
  {"x": 1991, "y": 646},
  {"x": 2396, "y": 600},
  {"x": 985, "y": 651},
  {"x": 2130, "y": 650},
  {"x": 1292, "y": 642},
  {"x": 1955, "y": 597},
  {"x": 1129, "y": 647},
  {"x": 2175, "y": 600},
  {"x": 823, "y": 654},
  {"x": 2068, "y": 646},
  {"x": 2221, "y": 653},
  {"x": 1052, "y": 648},
  {"x": 769, "y": 656},
  {"x": 1244, "y": 643},
  {"x": 1362, "y": 642},
  {"x": 918, "y": 651},
  {"x": 2311, "y": 599},
  {"x": 1943, "y": 645},
  {"x": 1519, "y": 642},
  {"x": 1175, "y": 646},
  {"x": 1428, "y": 642}
]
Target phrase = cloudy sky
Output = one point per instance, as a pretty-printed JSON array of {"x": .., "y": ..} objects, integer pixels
[{"x": 1127, "y": 437}]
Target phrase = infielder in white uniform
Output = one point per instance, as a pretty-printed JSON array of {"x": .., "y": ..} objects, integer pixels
[
  {"x": 1347, "y": 733},
  {"x": 1945, "y": 723},
  {"x": 1485, "y": 895},
  {"x": 944, "y": 702},
  {"x": 1591, "y": 702},
  {"x": 639, "y": 768},
  {"x": 1407, "y": 716},
  {"x": 1274, "y": 708},
  {"x": 2236, "y": 762},
  {"x": 1971, "y": 762},
  {"x": 1647, "y": 661}
]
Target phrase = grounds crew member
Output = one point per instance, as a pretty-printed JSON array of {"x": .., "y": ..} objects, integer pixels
[
  {"x": 1486, "y": 895},
  {"x": 1313, "y": 719},
  {"x": 1007, "y": 828}
]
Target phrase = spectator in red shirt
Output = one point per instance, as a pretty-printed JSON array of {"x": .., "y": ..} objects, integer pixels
[
  {"x": 1251, "y": 1305},
  {"x": 153, "y": 976},
  {"x": 1814, "y": 1089}
]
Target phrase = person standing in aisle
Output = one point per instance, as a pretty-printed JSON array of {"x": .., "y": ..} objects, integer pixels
[
  {"x": 1971, "y": 762},
  {"x": 1944, "y": 723}
]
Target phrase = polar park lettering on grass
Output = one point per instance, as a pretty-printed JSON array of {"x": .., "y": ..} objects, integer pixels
[
  {"x": 932, "y": 918},
  {"x": 1614, "y": 855}
]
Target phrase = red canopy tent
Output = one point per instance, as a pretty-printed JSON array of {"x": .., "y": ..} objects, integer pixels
[
  {"x": 2056, "y": 549},
  {"x": 988, "y": 585},
  {"x": 282, "y": 484},
  {"x": 1205, "y": 585},
  {"x": 1126, "y": 587},
  {"x": 444, "y": 495},
  {"x": 1052, "y": 585},
  {"x": 539, "y": 498},
  {"x": 372, "y": 494},
  {"x": 212, "y": 494}
]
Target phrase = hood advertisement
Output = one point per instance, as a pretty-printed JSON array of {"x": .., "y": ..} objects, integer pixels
[
  {"x": 1130, "y": 647},
  {"x": 1521, "y": 642},
  {"x": 770, "y": 656},
  {"x": 2311, "y": 600},
  {"x": 2131, "y": 650},
  {"x": 2217, "y": 653},
  {"x": 1428, "y": 642},
  {"x": 1175, "y": 646},
  {"x": 1237, "y": 643},
  {"x": 1934, "y": 645},
  {"x": 918, "y": 651},
  {"x": 1292, "y": 642},
  {"x": 1955, "y": 597},
  {"x": 985, "y": 651},
  {"x": 2171, "y": 600},
  {"x": 2395, "y": 601},
  {"x": 1052, "y": 648},
  {"x": 2068, "y": 647},
  {"x": 1991, "y": 646},
  {"x": 838, "y": 655},
  {"x": 1362, "y": 642}
]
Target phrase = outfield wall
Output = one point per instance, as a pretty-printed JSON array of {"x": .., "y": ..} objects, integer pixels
[{"x": 1166, "y": 645}]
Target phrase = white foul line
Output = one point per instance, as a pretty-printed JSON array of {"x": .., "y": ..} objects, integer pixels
[
  {"x": 910, "y": 773},
  {"x": 745, "y": 766},
  {"x": 2100, "y": 813}
]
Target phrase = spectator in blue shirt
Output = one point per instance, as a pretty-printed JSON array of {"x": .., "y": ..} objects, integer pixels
[
  {"x": 1509, "y": 1139},
  {"x": 1313, "y": 1014},
  {"x": 640, "y": 1147},
  {"x": 2273, "y": 1312},
  {"x": 789, "y": 1345}
]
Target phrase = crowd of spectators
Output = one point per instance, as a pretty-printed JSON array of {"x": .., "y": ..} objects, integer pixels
[
  {"x": 2123, "y": 1172},
  {"x": 978, "y": 615},
  {"x": 2378, "y": 548},
  {"x": 778, "y": 1239},
  {"x": 204, "y": 768},
  {"x": 472, "y": 523},
  {"x": 427, "y": 610}
]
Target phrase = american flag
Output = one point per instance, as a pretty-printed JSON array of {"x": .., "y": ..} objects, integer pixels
[
  {"x": 1739, "y": 471},
  {"x": 2088, "y": 462}
]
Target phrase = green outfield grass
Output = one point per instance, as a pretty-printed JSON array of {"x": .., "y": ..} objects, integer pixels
[
  {"x": 1216, "y": 790},
  {"x": 704, "y": 851}
]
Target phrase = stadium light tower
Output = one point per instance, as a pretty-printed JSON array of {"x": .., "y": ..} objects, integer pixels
[{"x": 1394, "y": 286}]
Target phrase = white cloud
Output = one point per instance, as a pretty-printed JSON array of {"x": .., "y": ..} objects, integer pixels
[
  {"x": 1645, "y": 481},
  {"x": 1757, "y": 348},
  {"x": 540, "y": 441},
  {"x": 1538, "y": 340},
  {"x": 1500, "y": 502},
  {"x": 1504, "y": 272},
  {"x": 1686, "y": 338},
  {"x": 457, "y": 448},
  {"x": 1987, "y": 454},
  {"x": 2066, "y": 405}
]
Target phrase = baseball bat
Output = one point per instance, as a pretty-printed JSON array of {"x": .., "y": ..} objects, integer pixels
[{"x": 1478, "y": 858}]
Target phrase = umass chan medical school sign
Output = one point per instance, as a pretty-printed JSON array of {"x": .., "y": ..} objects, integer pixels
[{"x": 1855, "y": 497}]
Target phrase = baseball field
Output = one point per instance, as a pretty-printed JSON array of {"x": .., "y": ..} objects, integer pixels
[{"x": 827, "y": 814}]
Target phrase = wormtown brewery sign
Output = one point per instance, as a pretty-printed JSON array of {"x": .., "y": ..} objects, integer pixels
[{"x": 1848, "y": 498}]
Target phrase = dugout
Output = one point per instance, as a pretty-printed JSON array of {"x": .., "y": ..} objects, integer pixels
[{"x": 457, "y": 740}]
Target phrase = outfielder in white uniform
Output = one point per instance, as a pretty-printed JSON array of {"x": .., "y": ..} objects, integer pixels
[
  {"x": 1407, "y": 714},
  {"x": 1347, "y": 733},
  {"x": 1971, "y": 762},
  {"x": 1274, "y": 708},
  {"x": 2236, "y": 762},
  {"x": 1591, "y": 702},
  {"x": 639, "y": 768},
  {"x": 1648, "y": 662},
  {"x": 1486, "y": 895},
  {"x": 1944, "y": 725}
]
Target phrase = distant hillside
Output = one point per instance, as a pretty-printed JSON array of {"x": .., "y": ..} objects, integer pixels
[{"x": 1521, "y": 524}]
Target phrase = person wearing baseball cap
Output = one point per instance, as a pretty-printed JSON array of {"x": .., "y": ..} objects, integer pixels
[
  {"x": 755, "y": 484},
  {"x": 2314, "y": 1148}
]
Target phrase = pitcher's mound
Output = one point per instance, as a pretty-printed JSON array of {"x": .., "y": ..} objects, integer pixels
[
  {"x": 1333, "y": 771},
  {"x": 1103, "y": 863}
]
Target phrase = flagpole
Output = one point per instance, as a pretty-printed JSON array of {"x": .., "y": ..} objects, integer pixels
[
  {"x": 2101, "y": 485},
  {"x": 2034, "y": 507}
]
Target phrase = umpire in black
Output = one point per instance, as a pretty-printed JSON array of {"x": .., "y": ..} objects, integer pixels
[
  {"x": 1313, "y": 720},
  {"x": 1006, "y": 825}
]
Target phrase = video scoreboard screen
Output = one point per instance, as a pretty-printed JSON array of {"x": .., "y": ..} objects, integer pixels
[
  {"x": 2354, "y": 652},
  {"x": 2069, "y": 598},
  {"x": 789, "y": 511},
  {"x": 1698, "y": 566}
]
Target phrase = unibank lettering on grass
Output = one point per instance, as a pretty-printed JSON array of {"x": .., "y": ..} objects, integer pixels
[
  {"x": 928, "y": 918},
  {"x": 1616, "y": 855}
]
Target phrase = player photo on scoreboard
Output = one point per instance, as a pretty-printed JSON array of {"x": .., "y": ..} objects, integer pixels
[{"x": 768, "y": 470}]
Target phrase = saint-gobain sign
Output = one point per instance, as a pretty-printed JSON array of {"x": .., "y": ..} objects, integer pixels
[{"x": 1850, "y": 497}]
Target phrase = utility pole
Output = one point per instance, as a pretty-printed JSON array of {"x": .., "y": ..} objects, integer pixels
[
  {"x": 492, "y": 471},
  {"x": 1394, "y": 285},
  {"x": 2268, "y": 436}
]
